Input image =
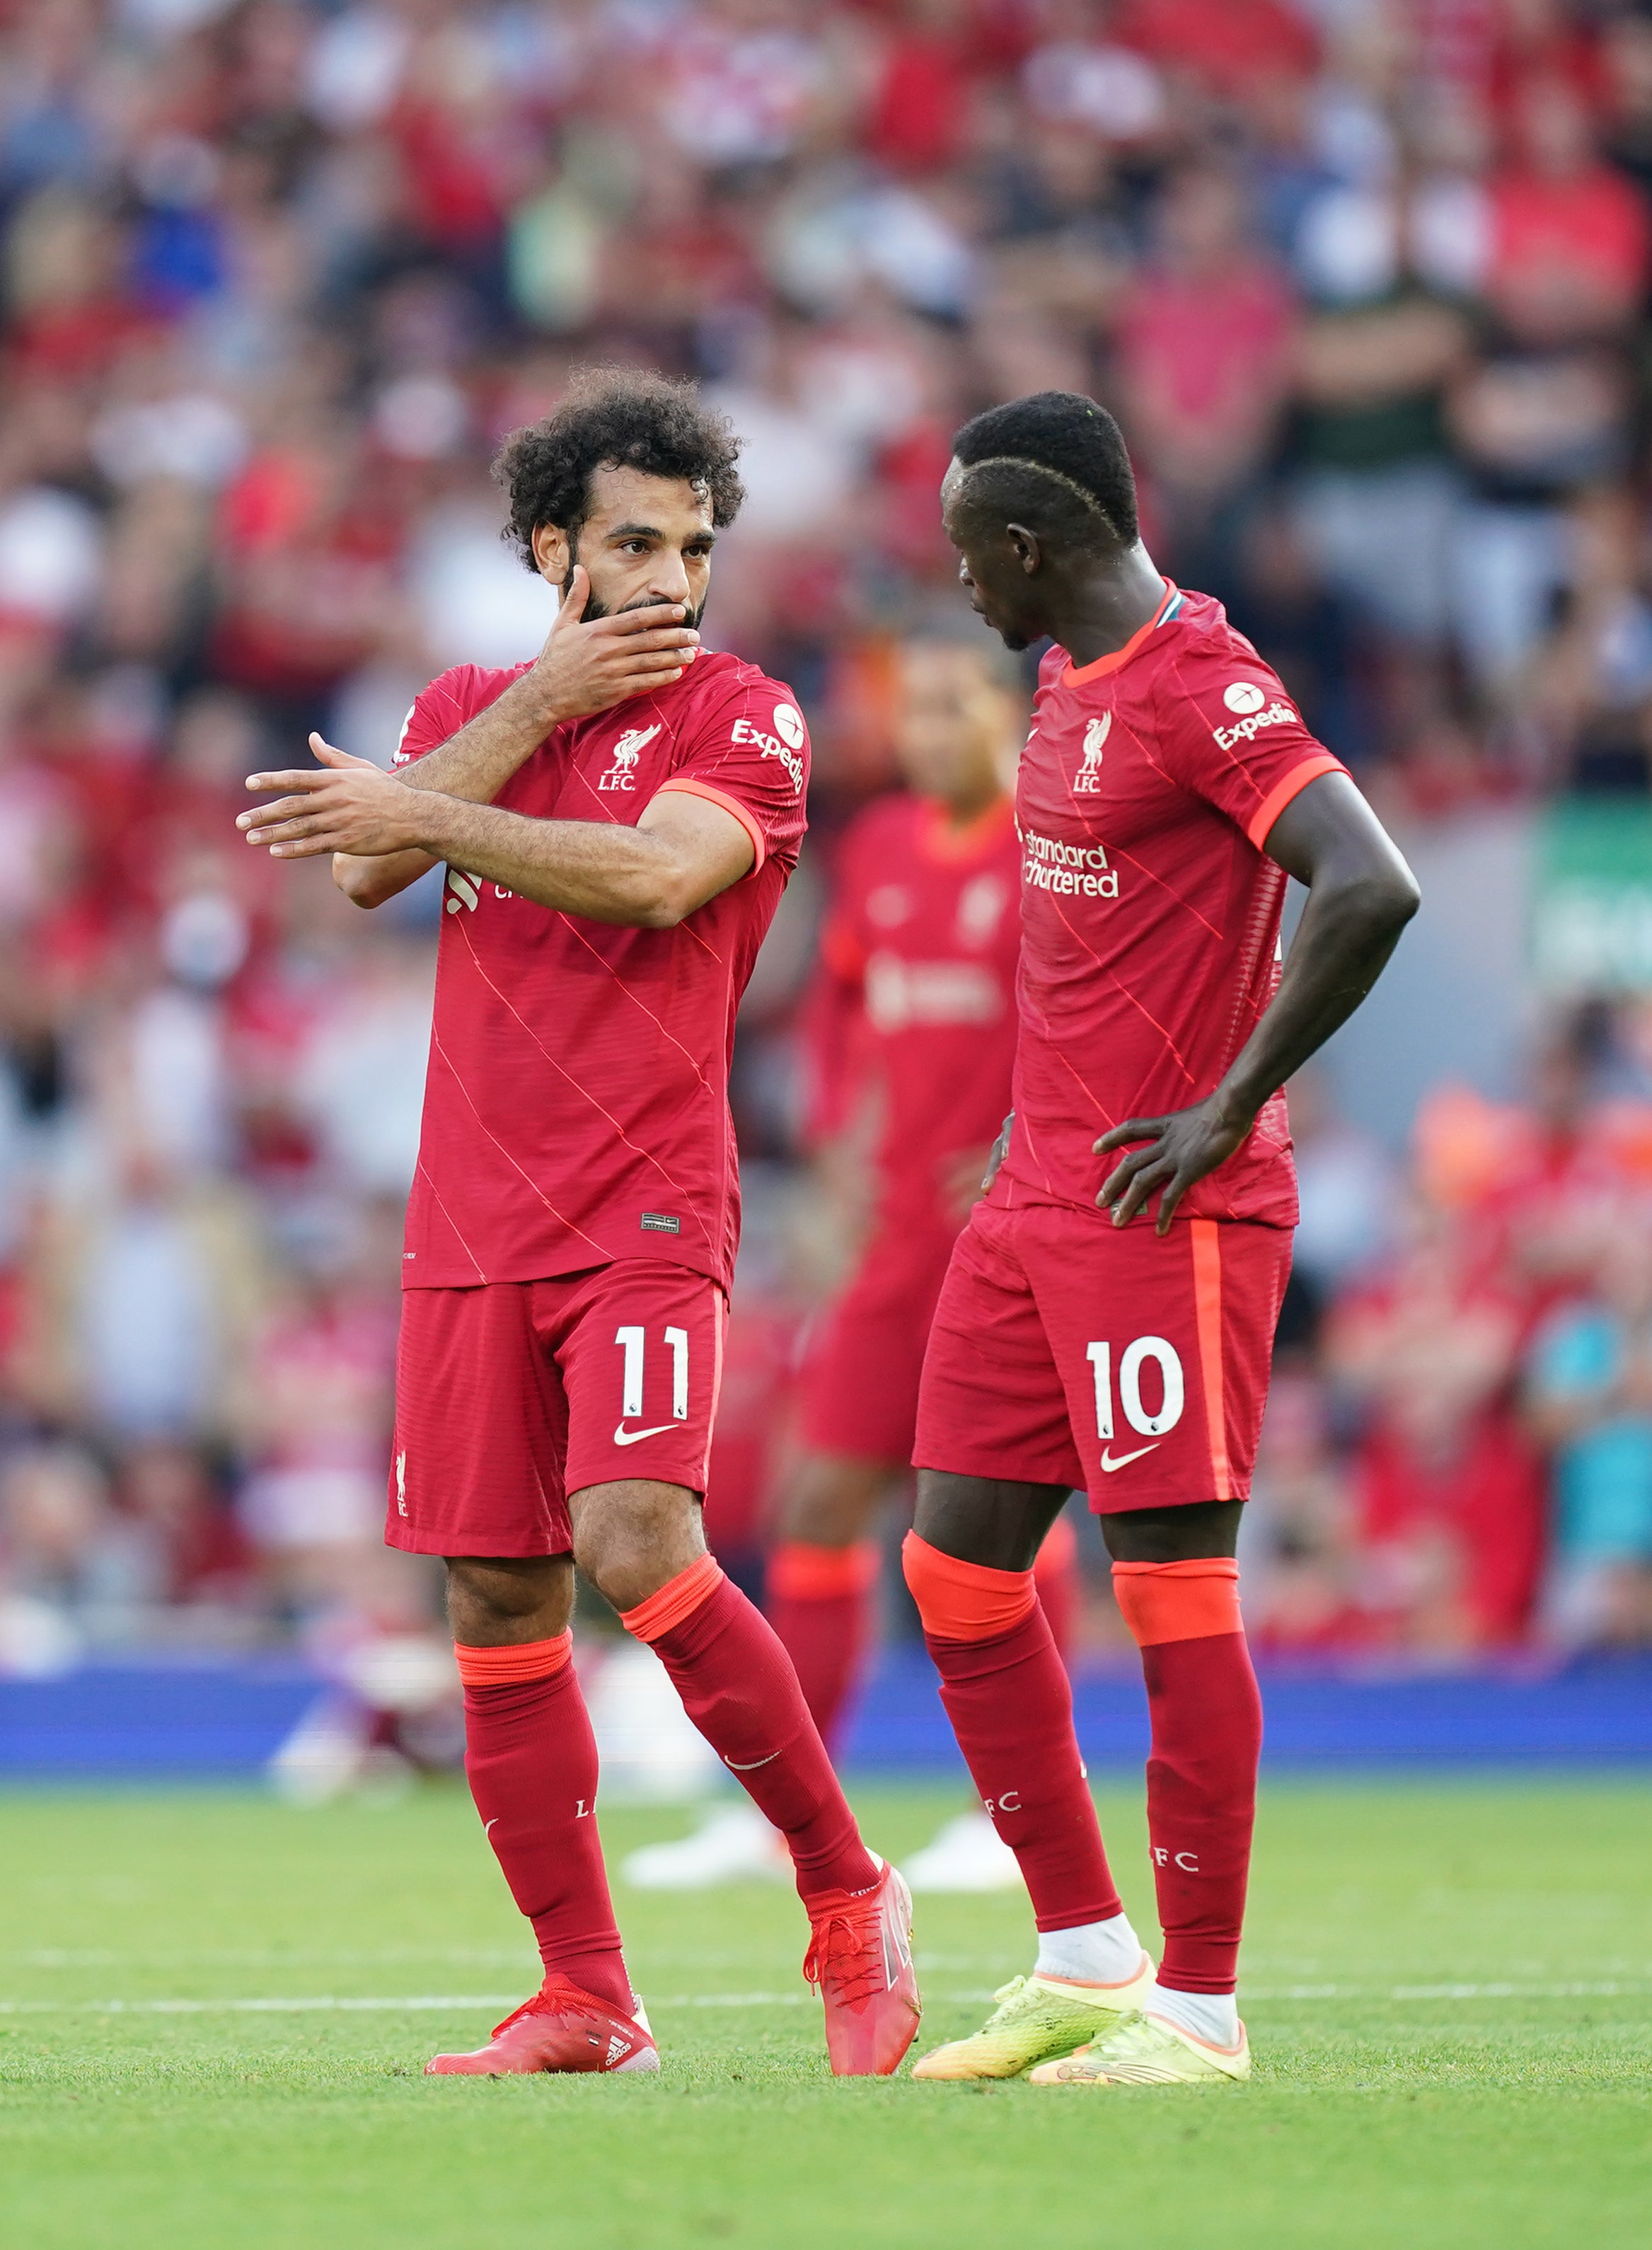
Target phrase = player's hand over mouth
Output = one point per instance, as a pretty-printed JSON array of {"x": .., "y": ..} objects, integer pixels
[
  {"x": 588, "y": 664},
  {"x": 345, "y": 804},
  {"x": 1180, "y": 1150}
]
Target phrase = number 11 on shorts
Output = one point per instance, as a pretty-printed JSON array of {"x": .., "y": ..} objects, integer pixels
[{"x": 633, "y": 1341}]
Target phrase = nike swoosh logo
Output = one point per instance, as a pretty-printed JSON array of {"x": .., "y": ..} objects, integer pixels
[
  {"x": 1124, "y": 1459},
  {"x": 624, "y": 1436}
]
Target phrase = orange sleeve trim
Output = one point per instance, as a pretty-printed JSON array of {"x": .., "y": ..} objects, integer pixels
[
  {"x": 510, "y": 1666},
  {"x": 686, "y": 785},
  {"x": 964, "y": 1601},
  {"x": 800, "y": 1572},
  {"x": 1283, "y": 791},
  {"x": 678, "y": 1598},
  {"x": 1207, "y": 1318},
  {"x": 1178, "y": 1601}
]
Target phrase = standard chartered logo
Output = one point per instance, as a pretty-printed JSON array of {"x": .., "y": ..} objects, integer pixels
[{"x": 1067, "y": 870}]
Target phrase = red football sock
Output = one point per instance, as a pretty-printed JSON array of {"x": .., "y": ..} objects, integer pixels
[
  {"x": 1005, "y": 1691},
  {"x": 738, "y": 1687},
  {"x": 1055, "y": 1579},
  {"x": 531, "y": 1762},
  {"x": 821, "y": 1603},
  {"x": 1201, "y": 1776}
]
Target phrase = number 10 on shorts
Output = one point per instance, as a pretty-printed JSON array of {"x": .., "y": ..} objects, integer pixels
[
  {"x": 635, "y": 1343},
  {"x": 1130, "y": 1363}
]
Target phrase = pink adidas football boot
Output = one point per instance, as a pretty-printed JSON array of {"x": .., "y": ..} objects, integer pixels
[
  {"x": 859, "y": 1958},
  {"x": 560, "y": 2028}
]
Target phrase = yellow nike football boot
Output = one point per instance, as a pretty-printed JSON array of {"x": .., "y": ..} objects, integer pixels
[
  {"x": 1038, "y": 2018},
  {"x": 1148, "y": 2050}
]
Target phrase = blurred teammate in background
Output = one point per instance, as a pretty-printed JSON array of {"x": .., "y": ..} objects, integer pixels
[
  {"x": 619, "y": 819},
  {"x": 912, "y": 1021},
  {"x": 1167, "y": 787}
]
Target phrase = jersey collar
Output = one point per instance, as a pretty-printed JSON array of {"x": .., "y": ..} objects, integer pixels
[{"x": 1075, "y": 677}]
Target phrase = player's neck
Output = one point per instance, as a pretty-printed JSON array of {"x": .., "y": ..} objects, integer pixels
[{"x": 1098, "y": 608}]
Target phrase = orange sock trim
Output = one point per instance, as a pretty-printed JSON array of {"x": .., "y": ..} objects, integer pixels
[
  {"x": 509, "y": 1667},
  {"x": 1178, "y": 1601},
  {"x": 964, "y": 1601},
  {"x": 1059, "y": 1552},
  {"x": 678, "y": 1598},
  {"x": 801, "y": 1573}
]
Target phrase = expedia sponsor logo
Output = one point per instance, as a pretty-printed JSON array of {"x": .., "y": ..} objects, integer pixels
[
  {"x": 788, "y": 752},
  {"x": 1251, "y": 703},
  {"x": 1071, "y": 870}
]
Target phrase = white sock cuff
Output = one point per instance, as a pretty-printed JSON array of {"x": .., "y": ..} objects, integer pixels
[{"x": 1091, "y": 1953}]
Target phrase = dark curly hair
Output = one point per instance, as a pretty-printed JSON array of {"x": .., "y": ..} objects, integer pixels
[
  {"x": 618, "y": 417},
  {"x": 1054, "y": 460}
]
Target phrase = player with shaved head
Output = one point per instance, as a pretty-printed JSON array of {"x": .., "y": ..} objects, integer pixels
[
  {"x": 1108, "y": 1316},
  {"x": 619, "y": 818}
]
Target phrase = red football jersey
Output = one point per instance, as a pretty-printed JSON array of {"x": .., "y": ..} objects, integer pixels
[
  {"x": 1150, "y": 914},
  {"x": 577, "y": 1105},
  {"x": 916, "y": 988}
]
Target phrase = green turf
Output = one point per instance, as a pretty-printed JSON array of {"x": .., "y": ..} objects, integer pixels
[{"x": 1388, "y": 2107}]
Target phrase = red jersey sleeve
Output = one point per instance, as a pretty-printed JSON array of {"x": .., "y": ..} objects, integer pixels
[
  {"x": 1232, "y": 736},
  {"x": 748, "y": 752},
  {"x": 450, "y": 700}
]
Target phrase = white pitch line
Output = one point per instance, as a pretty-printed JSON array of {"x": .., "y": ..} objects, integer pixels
[
  {"x": 458, "y": 2002},
  {"x": 417, "y": 2003}
]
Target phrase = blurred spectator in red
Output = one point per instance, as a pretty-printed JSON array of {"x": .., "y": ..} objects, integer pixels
[
  {"x": 1448, "y": 1488},
  {"x": 1204, "y": 343}
]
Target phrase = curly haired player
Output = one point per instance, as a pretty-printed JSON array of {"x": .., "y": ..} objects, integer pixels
[
  {"x": 619, "y": 819},
  {"x": 1167, "y": 787}
]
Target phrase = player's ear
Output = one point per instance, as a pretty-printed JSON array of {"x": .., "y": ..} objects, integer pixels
[
  {"x": 550, "y": 552},
  {"x": 1025, "y": 547}
]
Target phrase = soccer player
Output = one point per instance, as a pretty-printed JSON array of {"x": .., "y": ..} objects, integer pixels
[
  {"x": 915, "y": 1008},
  {"x": 619, "y": 819},
  {"x": 1108, "y": 1314}
]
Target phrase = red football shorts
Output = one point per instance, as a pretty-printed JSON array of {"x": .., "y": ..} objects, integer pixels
[
  {"x": 860, "y": 1377},
  {"x": 511, "y": 1396},
  {"x": 1067, "y": 1351}
]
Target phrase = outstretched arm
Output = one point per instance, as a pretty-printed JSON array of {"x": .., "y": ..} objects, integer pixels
[
  {"x": 1360, "y": 897},
  {"x": 683, "y": 850},
  {"x": 582, "y": 667}
]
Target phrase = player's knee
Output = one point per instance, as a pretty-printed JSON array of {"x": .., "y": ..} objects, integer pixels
[
  {"x": 832, "y": 1502},
  {"x": 508, "y": 1597},
  {"x": 630, "y": 1540},
  {"x": 1201, "y": 1529}
]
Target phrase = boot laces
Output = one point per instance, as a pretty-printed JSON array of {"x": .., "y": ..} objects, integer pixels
[
  {"x": 568, "y": 2001},
  {"x": 844, "y": 1960}
]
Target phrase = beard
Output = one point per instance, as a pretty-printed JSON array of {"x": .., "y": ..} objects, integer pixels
[{"x": 595, "y": 609}]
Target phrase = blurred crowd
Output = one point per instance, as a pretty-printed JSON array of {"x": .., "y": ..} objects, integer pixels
[{"x": 1367, "y": 280}]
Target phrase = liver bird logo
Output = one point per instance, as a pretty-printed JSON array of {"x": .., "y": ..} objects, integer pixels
[{"x": 1088, "y": 776}]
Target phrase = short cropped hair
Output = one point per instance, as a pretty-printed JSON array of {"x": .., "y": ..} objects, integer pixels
[
  {"x": 620, "y": 418},
  {"x": 1055, "y": 461}
]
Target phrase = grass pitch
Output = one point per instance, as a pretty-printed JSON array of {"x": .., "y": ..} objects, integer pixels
[{"x": 213, "y": 2014}]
